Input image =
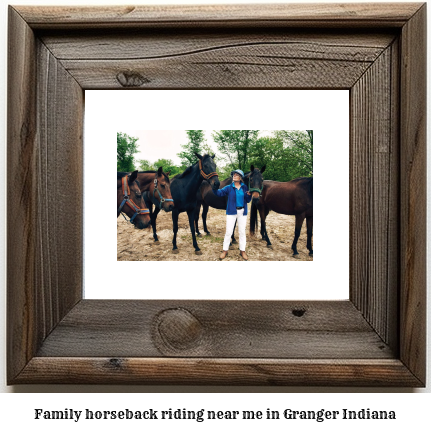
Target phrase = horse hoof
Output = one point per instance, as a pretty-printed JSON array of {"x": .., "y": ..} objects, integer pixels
[
  {"x": 296, "y": 256},
  {"x": 156, "y": 242},
  {"x": 175, "y": 251},
  {"x": 232, "y": 247},
  {"x": 311, "y": 254},
  {"x": 199, "y": 235},
  {"x": 198, "y": 252},
  {"x": 234, "y": 241},
  {"x": 269, "y": 246},
  {"x": 208, "y": 233}
]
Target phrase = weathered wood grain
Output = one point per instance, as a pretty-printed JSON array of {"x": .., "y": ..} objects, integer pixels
[
  {"x": 227, "y": 330},
  {"x": 375, "y": 338},
  {"x": 218, "y": 60},
  {"x": 45, "y": 105},
  {"x": 59, "y": 240},
  {"x": 413, "y": 194},
  {"x": 348, "y": 15},
  {"x": 373, "y": 218},
  {"x": 329, "y": 372},
  {"x": 140, "y": 45},
  {"x": 21, "y": 227}
]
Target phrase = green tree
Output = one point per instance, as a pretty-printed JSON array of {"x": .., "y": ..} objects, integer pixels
[
  {"x": 196, "y": 144},
  {"x": 234, "y": 147},
  {"x": 126, "y": 149},
  {"x": 299, "y": 148},
  {"x": 168, "y": 166},
  {"x": 145, "y": 165}
]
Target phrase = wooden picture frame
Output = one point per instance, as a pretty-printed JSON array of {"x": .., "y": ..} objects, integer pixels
[{"x": 376, "y": 338}]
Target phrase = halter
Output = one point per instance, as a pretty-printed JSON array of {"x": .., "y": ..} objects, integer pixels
[
  {"x": 129, "y": 201},
  {"x": 160, "y": 199},
  {"x": 254, "y": 189},
  {"x": 206, "y": 176}
]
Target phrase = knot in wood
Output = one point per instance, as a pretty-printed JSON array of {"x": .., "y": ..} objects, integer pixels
[
  {"x": 178, "y": 329},
  {"x": 131, "y": 79}
]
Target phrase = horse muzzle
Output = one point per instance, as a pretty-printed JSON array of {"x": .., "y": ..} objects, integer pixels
[
  {"x": 255, "y": 197},
  {"x": 140, "y": 224},
  {"x": 168, "y": 206}
]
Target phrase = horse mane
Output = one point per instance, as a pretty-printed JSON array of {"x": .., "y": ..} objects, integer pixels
[
  {"x": 188, "y": 169},
  {"x": 184, "y": 173},
  {"x": 121, "y": 174},
  {"x": 153, "y": 172}
]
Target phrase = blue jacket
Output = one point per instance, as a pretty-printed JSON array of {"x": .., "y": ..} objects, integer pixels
[{"x": 229, "y": 191}]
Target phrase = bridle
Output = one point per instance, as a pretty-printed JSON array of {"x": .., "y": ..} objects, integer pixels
[
  {"x": 204, "y": 175},
  {"x": 127, "y": 200},
  {"x": 160, "y": 199}
]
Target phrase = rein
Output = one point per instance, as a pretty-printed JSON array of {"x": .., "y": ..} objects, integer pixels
[
  {"x": 127, "y": 200},
  {"x": 160, "y": 199},
  {"x": 206, "y": 176}
]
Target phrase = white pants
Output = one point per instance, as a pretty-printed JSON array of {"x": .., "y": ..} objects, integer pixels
[{"x": 230, "y": 224}]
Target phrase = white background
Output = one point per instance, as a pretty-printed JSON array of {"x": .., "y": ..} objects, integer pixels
[
  {"x": 326, "y": 112},
  {"x": 16, "y": 410}
]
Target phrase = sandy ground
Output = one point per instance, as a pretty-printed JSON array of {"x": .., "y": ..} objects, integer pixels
[{"x": 138, "y": 245}]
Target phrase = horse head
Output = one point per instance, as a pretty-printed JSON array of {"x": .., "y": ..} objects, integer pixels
[
  {"x": 130, "y": 200},
  {"x": 161, "y": 191},
  {"x": 208, "y": 170},
  {"x": 255, "y": 181}
]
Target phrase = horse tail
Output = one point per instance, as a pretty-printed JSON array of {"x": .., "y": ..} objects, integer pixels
[{"x": 253, "y": 219}]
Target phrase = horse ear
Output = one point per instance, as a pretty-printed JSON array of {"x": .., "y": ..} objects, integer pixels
[
  {"x": 251, "y": 168},
  {"x": 133, "y": 176},
  {"x": 160, "y": 171},
  {"x": 168, "y": 173},
  {"x": 263, "y": 169},
  {"x": 198, "y": 156},
  {"x": 213, "y": 156}
]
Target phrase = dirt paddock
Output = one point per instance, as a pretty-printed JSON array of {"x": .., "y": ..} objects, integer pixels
[{"x": 138, "y": 245}]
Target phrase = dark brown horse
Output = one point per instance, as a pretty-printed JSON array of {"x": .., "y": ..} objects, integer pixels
[
  {"x": 130, "y": 201},
  {"x": 290, "y": 198},
  {"x": 205, "y": 198},
  {"x": 157, "y": 188}
]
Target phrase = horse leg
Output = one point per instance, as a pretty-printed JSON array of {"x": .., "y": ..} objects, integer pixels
[
  {"x": 263, "y": 212},
  {"x": 175, "y": 229},
  {"x": 233, "y": 236},
  {"x": 309, "y": 234},
  {"x": 299, "y": 219},
  {"x": 153, "y": 222},
  {"x": 192, "y": 229},
  {"x": 204, "y": 218},
  {"x": 196, "y": 218}
]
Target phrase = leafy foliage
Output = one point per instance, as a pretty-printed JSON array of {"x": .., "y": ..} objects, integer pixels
[
  {"x": 195, "y": 144},
  {"x": 234, "y": 148},
  {"x": 126, "y": 149},
  {"x": 287, "y": 154}
]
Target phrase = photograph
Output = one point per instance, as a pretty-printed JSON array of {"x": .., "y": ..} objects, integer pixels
[{"x": 220, "y": 195}]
